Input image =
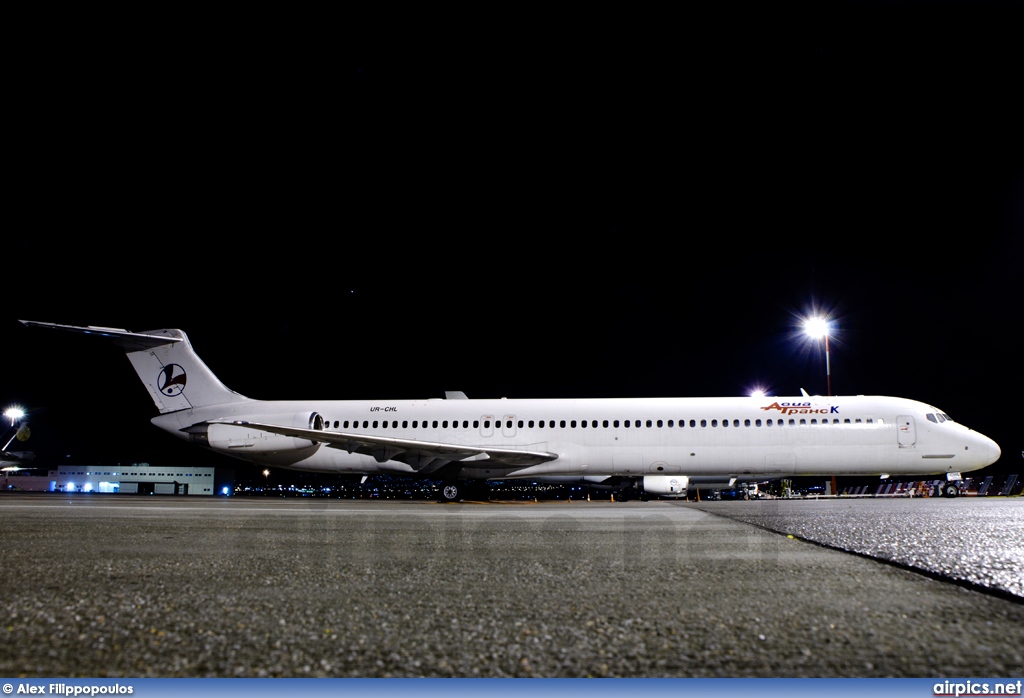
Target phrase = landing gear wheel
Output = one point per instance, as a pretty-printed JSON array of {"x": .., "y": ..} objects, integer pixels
[
  {"x": 451, "y": 492},
  {"x": 950, "y": 489}
]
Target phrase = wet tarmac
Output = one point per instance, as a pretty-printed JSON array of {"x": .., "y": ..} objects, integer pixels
[{"x": 119, "y": 586}]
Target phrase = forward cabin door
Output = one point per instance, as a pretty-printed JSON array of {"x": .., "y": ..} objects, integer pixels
[{"x": 906, "y": 431}]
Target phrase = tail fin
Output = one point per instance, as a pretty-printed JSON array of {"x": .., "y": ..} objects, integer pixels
[{"x": 176, "y": 378}]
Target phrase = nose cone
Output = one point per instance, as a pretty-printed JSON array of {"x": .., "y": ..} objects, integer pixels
[
  {"x": 994, "y": 451},
  {"x": 988, "y": 450}
]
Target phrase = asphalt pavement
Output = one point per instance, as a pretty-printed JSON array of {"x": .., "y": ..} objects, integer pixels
[
  {"x": 121, "y": 586},
  {"x": 975, "y": 541}
]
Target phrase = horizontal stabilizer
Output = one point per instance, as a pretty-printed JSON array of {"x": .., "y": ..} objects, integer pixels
[{"x": 129, "y": 341}]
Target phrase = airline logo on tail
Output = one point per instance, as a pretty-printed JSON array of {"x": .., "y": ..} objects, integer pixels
[{"x": 171, "y": 381}]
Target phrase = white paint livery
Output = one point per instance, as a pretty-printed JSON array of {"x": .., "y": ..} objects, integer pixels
[{"x": 656, "y": 445}]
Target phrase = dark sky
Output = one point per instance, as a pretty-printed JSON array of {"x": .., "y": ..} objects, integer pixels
[{"x": 527, "y": 206}]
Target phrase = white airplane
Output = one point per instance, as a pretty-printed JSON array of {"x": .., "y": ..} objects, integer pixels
[{"x": 656, "y": 446}]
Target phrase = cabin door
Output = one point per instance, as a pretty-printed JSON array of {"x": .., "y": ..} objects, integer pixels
[{"x": 906, "y": 431}]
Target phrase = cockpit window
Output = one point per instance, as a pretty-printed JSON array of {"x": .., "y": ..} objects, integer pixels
[
  {"x": 931, "y": 418},
  {"x": 939, "y": 418},
  {"x": 946, "y": 417}
]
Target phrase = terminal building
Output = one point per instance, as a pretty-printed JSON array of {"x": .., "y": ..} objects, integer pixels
[{"x": 135, "y": 478}]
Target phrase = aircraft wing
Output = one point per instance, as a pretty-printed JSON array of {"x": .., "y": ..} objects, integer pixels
[{"x": 421, "y": 455}]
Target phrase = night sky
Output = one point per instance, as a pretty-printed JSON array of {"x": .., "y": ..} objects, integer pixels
[{"x": 545, "y": 206}]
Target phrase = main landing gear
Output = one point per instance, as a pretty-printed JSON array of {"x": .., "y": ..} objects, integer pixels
[
  {"x": 452, "y": 492},
  {"x": 461, "y": 490}
]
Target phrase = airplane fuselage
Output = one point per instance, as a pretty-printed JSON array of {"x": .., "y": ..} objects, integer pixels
[{"x": 731, "y": 437}]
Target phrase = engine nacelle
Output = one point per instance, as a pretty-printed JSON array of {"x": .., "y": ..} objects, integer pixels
[
  {"x": 239, "y": 439},
  {"x": 665, "y": 485}
]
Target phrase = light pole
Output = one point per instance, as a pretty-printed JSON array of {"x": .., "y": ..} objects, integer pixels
[
  {"x": 817, "y": 327},
  {"x": 16, "y": 414}
]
